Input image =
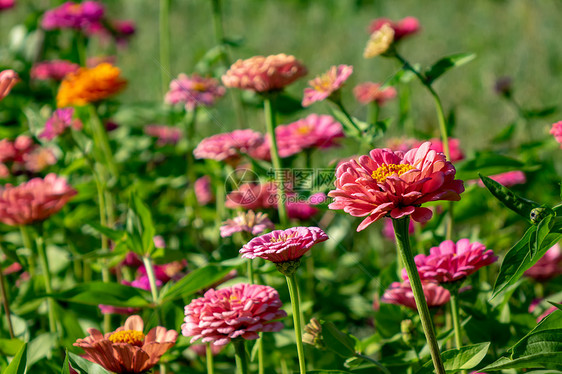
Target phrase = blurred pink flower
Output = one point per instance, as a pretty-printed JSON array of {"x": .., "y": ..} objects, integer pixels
[
  {"x": 303, "y": 210},
  {"x": 131, "y": 260},
  {"x": 402, "y": 144},
  {"x": 253, "y": 196},
  {"x": 6, "y": 4},
  {"x": 405, "y": 27},
  {"x": 38, "y": 159},
  {"x": 228, "y": 146},
  {"x": 60, "y": 120},
  {"x": 54, "y": 69},
  {"x": 556, "y": 129},
  {"x": 548, "y": 267},
  {"x": 326, "y": 84},
  {"x": 534, "y": 306},
  {"x": 242, "y": 310},
  {"x": 33, "y": 201},
  {"x": 70, "y": 15},
  {"x": 253, "y": 223},
  {"x": 23, "y": 156},
  {"x": 401, "y": 294},
  {"x": 369, "y": 92},
  {"x": 203, "y": 191},
  {"x": 396, "y": 184},
  {"x": 8, "y": 79},
  {"x": 165, "y": 272},
  {"x": 388, "y": 229},
  {"x": 201, "y": 349},
  {"x": 508, "y": 179},
  {"x": 165, "y": 134},
  {"x": 264, "y": 74},
  {"x": 284, "y": 245},
  {"x": 194, "y": 91},
  {"x": 451, "y": 262},
  {"x": 454, "y": 148}
]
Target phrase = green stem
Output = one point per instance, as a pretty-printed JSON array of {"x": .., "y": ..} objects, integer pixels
[
  {"x": 377, "y": 364},
  {"x": 151, "y": 277},
  {"x": 101, "y": 139},
  {"x": 44, "y": 262},
  {"x": 6, "y": 303},
  {"x": 456, "y": 320},
  {"x": 261, "y": 355},
  {"x": 251, "y": 276},
  {"x": 403, "y": 244},
  {"x": 210, "y": 360},
  {"x": 81, "y": 47},
  {"x": 339, "y": 104},
  {"x": 241, "y": 356},
  {"x": 164, "y": 24},
  {"x": 27, "y": 243},
  {"x": 294, "y": 294}
]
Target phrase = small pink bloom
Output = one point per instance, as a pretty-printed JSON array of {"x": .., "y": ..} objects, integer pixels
[
  {"x": 253, "y": 196},
  {"x": 201, "y": 349},
  {"x": 388, "y": 229},
  {"x": 38, "y": 159},
  {"x": 159, "y": 241},
  {"x": 228, "y": 146},
  {"x": 556, "y": 130},
  {"x": 59, "y": 121},
  {"x": 369, "y": 92},
  {"x": 8, "y": 79},
  {"x": 242, "y": 310},
  {"x": 253, "y": 223},
  {"x": 284, "y": 245},
  {"x": 165, "y": 134},
  {"x": 405, "y": 27},
  {"x": 203, "y": 191},
  {"x": 508, "y": 179},
  {"x": 401, "y": 294},
  {"x": 6, "y": 4},
  {"x": 454, "y": 148},
  {"x": 548, "y": 267},
  {"x": 264, "y": 74},
  {"x": 54, "y": 69},
  {"x": 194, "y": 91},
  {"x": 325, "y": 85},
  {"x": 402, "y": 144},
  {"x": 396, "y": 184},
  {"x": 71, "y": 15},
  {"x": 165, "y": 272},
  {"x": 132, "y": 260}
]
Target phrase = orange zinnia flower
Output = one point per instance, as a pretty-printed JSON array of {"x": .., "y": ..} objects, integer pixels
[{"x": 89, "y": 85}]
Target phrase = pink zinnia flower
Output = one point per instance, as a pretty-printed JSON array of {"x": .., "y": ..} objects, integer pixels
[
  {"x": 7, "y": 4},
  {"x": 242, "y": 310},
  {"x": 59, "y": 121},
  {"x": 33, "y": 201},
  {"x": 508, "y": 179},
  {"x": 454, "y": 148},
  {"x": 369, "y": 92},
  {"x": 451, "y": 262},
  {"x": 228, "y": 146},
  {"x": 8, "y": 79},
  {"x": 253, "y": 196},
  {"x": 396, "y": 184},
  {"x": 548, "y": 267},
  {"x": 194, "y": 91},
  {"x": 304, "y": 210},
  {"x": 165, "y": 272},
  {"x": 203, "y": 191},
  {"x": 264, "y": 74},
  {"x": 556, "y": 129},
  {"x": 127, "y": 349},
  {"x": 253, "y": 223},
  {"x": 73, "y": 16},
  {"x": 402, "y": 294},
  {"x": 54, "y": 69},
  {"x": 326, "y": 84},
  {"x": 38, "y": 159},
  {"x": 404, "y": 27},
  {"x": 165, "y": 134},
  {"x": 284, "y": 245}
]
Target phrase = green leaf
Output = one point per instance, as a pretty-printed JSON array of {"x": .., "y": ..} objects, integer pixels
[
  {"x": 10, "y": 347},
  {"x": 18, "y": 365},
  {"x": 543, "y": 229},
  {"x": 337, "y": 341},
  {"x": 83, "y": 366},
  {"x": 447, "y": 63},
  {"x": 115, "y": 235},
  {"x": 551, "y": 322},
  {"x": 554, "y": 360},
  {"x": 464, "y": 358},
  {"x": 144, "y": 226},
  {"x": 65, "y": 365},
  {"x": 196, "y": 281},
  {"x": 95, "y": 293},
  {"x": 41, "y": 347}
]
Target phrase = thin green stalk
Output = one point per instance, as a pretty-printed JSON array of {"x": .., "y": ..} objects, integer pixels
[
  {"x": 403, "y": 244},
  {"x": 210, "y": 359},
  {"x": 81, "y": 48},
  {"x": 250, "y": 273},
  {"x": 456, "y": 320},
  {"x": 6, "y": 304},
  {"x": 27, "y": 243},
  {"x": 164, "y": 24},
  {"x": 241, "y": 356},
  {"x": 375, "y": 362},
  {"x": 294, "y": 294},
  {"x": 261, "y": 355},
  {"x": 101, "y": 138},
  {"x": 339, "y": 104},
  {"x": 44, "y": 262},
  {"x": 270, "y": 122},
  {"x": 147, "y": 261}
]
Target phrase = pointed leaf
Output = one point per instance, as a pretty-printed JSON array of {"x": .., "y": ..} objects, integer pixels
[
  {"x": 18, "y": 365},
  {"x": 112, "y": 234},
  {"x": 65, "y": 365},
  {"x": 337, "y": 341},
  {"x": 447, "y": 63},
  {"x": 455, "y": 360},
  {"x": 196, "y": 281},
  {"x": 95, "y": 293},
  {"x": 83, "y": 366}
]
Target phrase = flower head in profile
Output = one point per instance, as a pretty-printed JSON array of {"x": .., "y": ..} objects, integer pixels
[
  {"x": 89, "y": 85},
  {"x": 379, "y": 41},
  {"x": 70, "y": 15},
  {"x": 395, "y": 184},
  {"x": 549, "y": 265},
  {"x": 250, "y": 222},
  {"x": 240, "y": 311},
  {"x": 405, "y": 27},
  {"x": 8, "y": 79},
  {"x": 54, "y": 69},
  {"x": 128, "y": 350},
  {"x": 370, "y": 92},
  {"x": 60, "y": 120},
  {"x": 327, "y": 84},
  {"x": 264, "y": 74},
  {"x": 228, "y": 146},
  {"x": 194, "y": 91},
  {"x": 402, "y": 294},
  {"x": 452, "y": 262},
  {"x": 165, "y": 134},
  {"x": 556, "y": 129},
  {"x": 203, "y": 191}
]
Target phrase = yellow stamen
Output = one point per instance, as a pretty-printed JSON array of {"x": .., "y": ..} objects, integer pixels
[
  {"x": 200, "y": 87},
  {"x": 281, "y": 238},
  {"x": 304, "y": 130},
  {"x": 132, "y": 337},
  {"x": 322, "y": 83},
  {"x": 386, "y": 171}
]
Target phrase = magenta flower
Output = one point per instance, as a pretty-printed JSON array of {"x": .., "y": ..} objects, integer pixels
[
  {"x": 451, "y": 262},
  {"x": 401, "y": 294},
  {"x": 396, "y": 184},
  {"x": 8, "y": 79},
  {"x": 23, "y": 156},
  {"x": 405, "y": 27},
  {"x": 242, "y": 310},
  {"x": 60, "y": 120},
  {"x": 253, "y": 196},
  {"x": 556, "y": 129},
  {"x": 548, "y": 267},
  {"x": 508, "y": 179},
  {"x": 72, "y": 15},
  {"x": 284, "y": 245},
  {"x": 327, "y": 84},
  {"x": 369, "y": 92},
  {"x": 303, "y": 210},
  {"x": 253, "y": 223},
  {"x": 194, "y": 91},
  {"x": 454, "y": 148},
  {"x": 203, "y": 191},
  {"x": 54, "y": 69},
  {"x": 6, "y": 4},
  {"x": 228, "y": 146},
  {"x": 165, "y": 134}
]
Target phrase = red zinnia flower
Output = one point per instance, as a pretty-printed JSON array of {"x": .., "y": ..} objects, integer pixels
[{"x": 402, "y": 294}]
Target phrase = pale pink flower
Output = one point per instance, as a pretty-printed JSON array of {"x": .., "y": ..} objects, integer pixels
[
  {"x": 405, "y": 27},
  {"x": 396, "y": 184},
  {"x": 507, "y": 179},
  {"x": 556, "y": 129},
  {"x": 38, "y": 159},
  {"x": 253, "y": 196},
  {"x": 194, "y": 91},
  {"x": 242, "y": 310},
  {"x": 253, "y": 223},
  {"x": 203, "y": 191},
  {"x": 326, "y": 84},
  {"x": 54, "y": 69},
  {"x": 60, "y": 120},
  {"x": 284, "y": 245},
  {"x": 165, "y": 134},
  {"x": 8, "y": 79},
  {"x": 451, "y": 262},
  {"x": 33, "y": 201},
  {"x": 402, "y": 294},
  {"x": 369, "y": 92},
  {"x": 264, "y": 74},
  {"x": 7, "y": 4},
  {"x": 127, "y": 349},
  {"x": 548, "y": 267},
  {"x": 228, "y": 146},
  {"x": 71, "y": 15}
]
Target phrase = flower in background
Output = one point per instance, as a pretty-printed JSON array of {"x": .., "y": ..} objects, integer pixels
[
  {"x": 405, "y": 27},
  {"x": 402, "y": 144},
  {"x": 194, "y": 91},
  {"x": 556, "y": 129},
  {"x": 401, "y": 294},
  {"x": 370, "y": 92},
  {"x": 7, "y": 4},
  {"x": 253, "y": 196},
  {"x": 536, "y": 304},
  {"x": 60, "y": 120},
  {"x": 165, "y": 134},
  {"x": 23, "y": 156},
  {"x": 8, "y": 79},
  {"x": 304, "y": 210},
  {"x": 326, "y": 85},
  {"x": 452, "y": 262},
  {"x": 454, "y": 148},
  {"x": 164, "y": 273},
  {"x": 508, "y": 179},
  {"x": 201, "y": 349},
  {"x": 253, "y": 223},
  {"x": 388, "y": 229},
  {"x": 89, "y": 85},
  {"x": 203, "y": 191},
  {"x": 240, "y": 311},
  {"x": 71, "y": 15},
  {"x": 228, "y": 146},
  {"x": 38, "y": 159},
  {"x": 548, "y": 267},
  {"x": 396, "y": 184},
  {"x": 264, "y": 74},
  {"x": 33, "y": 201},
  {"x": 54, "y": 69},
  {"x": 92, "y": 62},
  {"x": 379, "y": 42},
  {"x": 127, "y": 349}
]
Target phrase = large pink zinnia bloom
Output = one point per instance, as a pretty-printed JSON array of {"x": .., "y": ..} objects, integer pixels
[
  {"x": 549, "y": 266},
  {"x": 326, "y": 84},
  {"x": 402, "y": 294},
  {"x": 54, "y": 69},
  {"x": 127, "y": 350},
  {"x": 451, "y": 262},
  {"x": 284, "y": 245},
  {"x": 393, "y": 183},
  {"x": 405, "y": 27},
  {"x": 60, "y": 120},
  {"x": 228, "y": 146},
  {"x": 8, "y": 79},
  {"x": 242, "y": 310},
  {"x": 194, "y": 91},
  {"x": 33, "y": 201}
]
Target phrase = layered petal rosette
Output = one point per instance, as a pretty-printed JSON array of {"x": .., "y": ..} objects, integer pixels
[
  {"x": 194, "y": 91},
  {"x": 228, "y": 146},
  {"x": 402, "y": 294},
  {"x": 325, "y": 85}
]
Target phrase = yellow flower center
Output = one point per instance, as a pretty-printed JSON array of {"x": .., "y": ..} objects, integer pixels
[
  {"x": 281, "y": 238},
  {"x": 386, "y": 171},
  {"x": 304, "y": 130},
  {"x": 200, "y": 87},
  {"x": 132, "y": 337},
  {"x": 322, "y": 83}
]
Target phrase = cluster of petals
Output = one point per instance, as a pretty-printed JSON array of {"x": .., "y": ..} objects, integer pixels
[
  {"x": 451, "y": 262},
  {"x": 70, "y": 15},
  {"x": 394, "y": 183},
  {"x": 228, "y": 146},
  {"x": 165, "y": 134},
  {"x": 23, "y": 155},
  {"x": 240, "y": 311},
  {"x": 54, "y": 69},
  {"x": 203, "y": 192},
  {"x": 194, "y": 91},
  {"x": 253, "y": 196},
  {"x": 455, "y": 150},
  {"x": 127, "y": 349},
  {"x": 35, "y": 200},
  {"x": 88, "y": 85},
  {"x": 555, "y": 130},
  {"x": 325, "y": 85},
  {"x": 8, "y": 79},
  {"x": 370, "y": 92},
  {"x": 250, "y": 222},
  {"x": 284, "y": 245},
  {"x": 402, "y": 294},
  {"x": 405, "y": 27},
  {"x": 379, "y": 41},
  {"x": 264, "y": 74},
  {"x": 59, "y": 121},
  {"x": 507, "y": 179},
  {"x": 7, "y": 4},
  {"x": 120, "y": 30},
  {"x": 549, "y": 265}
]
